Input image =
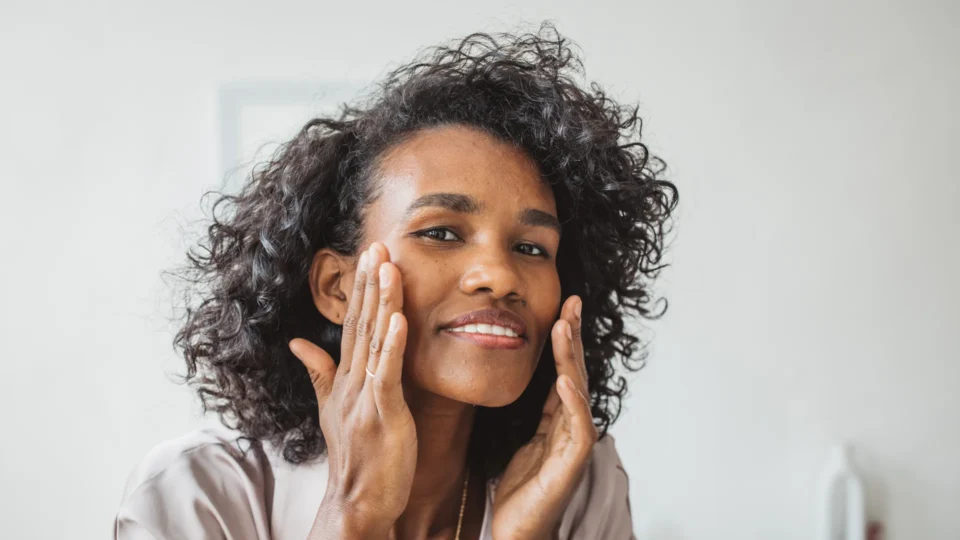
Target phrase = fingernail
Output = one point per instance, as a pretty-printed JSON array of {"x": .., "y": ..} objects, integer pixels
[
  {"x": 577, "y": 306},
  {"x": 568, "y": 382},
  {"x": 384, "y": 276},
  {"x": 362, "y": 265},
  {"x": 394, "y": 322},
  {"x": 566, "y": 330}
]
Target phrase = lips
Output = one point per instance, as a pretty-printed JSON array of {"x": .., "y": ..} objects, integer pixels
[{"x": 498, "y": 317}]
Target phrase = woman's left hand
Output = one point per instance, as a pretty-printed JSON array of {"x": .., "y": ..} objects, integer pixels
[{"x": 542, "y": 475}]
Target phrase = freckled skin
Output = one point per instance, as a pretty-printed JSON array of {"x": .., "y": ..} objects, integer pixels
[{"x": 483, "y": 268}]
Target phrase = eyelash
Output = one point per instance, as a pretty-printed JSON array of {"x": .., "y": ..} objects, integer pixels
[{"x": 426, "y": 234}]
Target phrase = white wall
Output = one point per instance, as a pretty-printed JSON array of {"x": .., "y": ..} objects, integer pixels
[{"x": 814, "y": 293}]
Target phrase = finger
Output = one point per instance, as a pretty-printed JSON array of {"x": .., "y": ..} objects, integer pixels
[
  {"x": 391, "y": 301},
  {"x": 350, "y": 320},
  {"x": 550, "y": 411},
  {"x": 550, "y": 408},
  {"x": 558, "y": 434},
  {"x": 576, "y": 328},
  {"x": 553, "y": 400},
  {"x": 319, "y": 366},
  {"x": 571, "y": 440},
  {"x": 583, "y": 433},
  {"x": 572, "y": 313},
  {"x": 368, "y": 316},
  {"x": 388, "y": 391},
  {"x": 565, "y": 355}
]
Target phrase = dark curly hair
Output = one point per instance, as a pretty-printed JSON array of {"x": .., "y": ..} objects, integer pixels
[{"x": 247, "y": 283}]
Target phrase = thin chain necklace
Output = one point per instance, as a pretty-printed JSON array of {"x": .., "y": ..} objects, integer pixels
[{"x": 463, "y": 504}]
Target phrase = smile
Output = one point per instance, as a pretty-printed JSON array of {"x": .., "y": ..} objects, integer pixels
[
  {"x": 487, "y": 336},
  {"x": 488, "y": 329}
]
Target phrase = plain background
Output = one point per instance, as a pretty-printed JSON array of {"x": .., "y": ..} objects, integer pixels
[{"x": 814, "y": 282}]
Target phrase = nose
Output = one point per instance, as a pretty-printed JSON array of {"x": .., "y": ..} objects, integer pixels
[{"x": 491, "y": 270}]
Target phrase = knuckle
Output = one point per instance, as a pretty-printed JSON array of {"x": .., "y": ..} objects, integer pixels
[
  {"x": 350, "y": 320},
  {"x": 343, "y": 413},
  {"x": 348, "y": 402},
  {"x": 358, "y": 285},
  {"x": 321, "y": 387},
  {"x": 365, "y": 328},
  {"x": 375, "y": 345},
  {"x": 379, "y": 385},
  {"x": 367, "y": 424},
  {"x": 577, "y": 332}
]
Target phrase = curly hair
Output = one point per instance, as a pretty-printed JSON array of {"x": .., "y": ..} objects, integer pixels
[{"x": 247, "y": 279}]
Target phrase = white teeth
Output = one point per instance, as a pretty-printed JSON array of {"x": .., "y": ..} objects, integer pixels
[{"x": 489, "y": 329}]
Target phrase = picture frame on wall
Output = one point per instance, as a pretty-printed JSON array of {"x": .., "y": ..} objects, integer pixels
[{"x": 255, "y": 118}]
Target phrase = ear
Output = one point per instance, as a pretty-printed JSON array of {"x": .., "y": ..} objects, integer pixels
[{"x": 331, "y": 277}]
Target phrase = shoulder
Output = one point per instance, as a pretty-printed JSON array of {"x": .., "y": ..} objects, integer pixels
[
  {"x": 181, "y": 453},
  {"x": 600, "y": 505},
  {"x": 184, "y": 486}
]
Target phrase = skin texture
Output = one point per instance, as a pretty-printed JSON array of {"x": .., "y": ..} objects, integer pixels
[
  {"x": 481, "y": 260},
  {"x": 398, "y": 439}
]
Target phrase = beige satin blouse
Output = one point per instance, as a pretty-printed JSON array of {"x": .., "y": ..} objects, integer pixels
[{"x": 203, "y": 486}]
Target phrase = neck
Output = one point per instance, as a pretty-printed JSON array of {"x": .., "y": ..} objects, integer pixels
[{"x": 443, "y": 435}]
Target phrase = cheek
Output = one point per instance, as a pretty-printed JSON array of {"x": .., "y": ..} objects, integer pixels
[
  {"x": 456, "y": 370},
  {"x": 547, "y": 302},
  {"x": 423, "y": 288}
]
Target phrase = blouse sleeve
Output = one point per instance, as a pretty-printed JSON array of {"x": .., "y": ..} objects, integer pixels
[
  {"x": 600, "y": 506},
  {"x": 204, "y": 493}
]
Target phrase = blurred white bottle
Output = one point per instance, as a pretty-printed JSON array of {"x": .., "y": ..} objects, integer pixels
[{"x": 841, "y": 514}]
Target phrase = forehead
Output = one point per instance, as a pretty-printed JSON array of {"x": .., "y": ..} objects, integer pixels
[{"x": 460, "y": 159}]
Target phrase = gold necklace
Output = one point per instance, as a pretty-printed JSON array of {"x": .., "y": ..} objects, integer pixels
[{"x": 463, "y": 504}]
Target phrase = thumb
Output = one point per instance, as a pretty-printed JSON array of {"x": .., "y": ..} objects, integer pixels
[
  {"x": 571, "y": 442},
  {"x": 319, "y": 365}
]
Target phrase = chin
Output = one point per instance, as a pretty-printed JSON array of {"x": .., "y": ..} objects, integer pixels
[
  {"x": 501, "y": 397},
  {"x": 461, "y": 371},
  {"x": 486, "y": 387}
]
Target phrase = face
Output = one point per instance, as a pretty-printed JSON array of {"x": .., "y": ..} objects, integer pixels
[{"x": 472, "y": 228}]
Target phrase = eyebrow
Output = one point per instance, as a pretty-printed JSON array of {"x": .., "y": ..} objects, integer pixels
[
  {"x": 465, "y": 204},
  {"x": 539, "y": 218}
]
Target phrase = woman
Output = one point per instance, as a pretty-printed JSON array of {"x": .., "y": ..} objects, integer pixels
[{"x": 411, "y": 318}]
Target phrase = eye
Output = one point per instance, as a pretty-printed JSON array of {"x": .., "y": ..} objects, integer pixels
[
  {"x": 441, "y": 234},
  {"x": 445, "y": 234},
  {"x": 537, "y": 250}
]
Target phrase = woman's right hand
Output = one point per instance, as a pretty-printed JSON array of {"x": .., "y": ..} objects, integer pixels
[{"x": 370, "y": 435}]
